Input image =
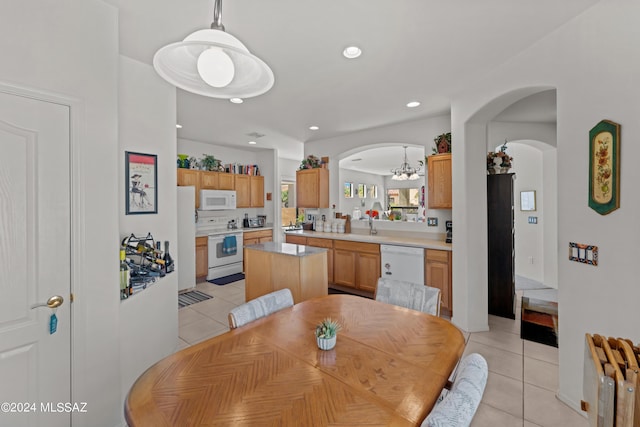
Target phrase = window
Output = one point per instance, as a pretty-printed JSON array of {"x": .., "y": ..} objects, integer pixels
[
  {"x": 288, "y": 202},
  {"x": 403, "y": 197}
]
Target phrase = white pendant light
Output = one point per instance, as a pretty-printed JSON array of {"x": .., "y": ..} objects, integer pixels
[
  {"x": 214, "y": 63},
  {"x": 405, "y": 172}
]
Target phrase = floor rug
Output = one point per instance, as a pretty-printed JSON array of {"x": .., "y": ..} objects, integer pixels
[
  {"x": 191, "y": 297},
  {"x": 227, "y": 279}
]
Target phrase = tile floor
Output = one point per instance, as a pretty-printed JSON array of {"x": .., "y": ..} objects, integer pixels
[{"x": 523, "y": 375}]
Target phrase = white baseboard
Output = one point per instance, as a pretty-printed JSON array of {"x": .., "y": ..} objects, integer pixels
[{"x": 571, "y": 404}]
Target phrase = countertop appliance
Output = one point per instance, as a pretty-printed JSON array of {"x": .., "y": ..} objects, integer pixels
[
  {"x": 217, "y": 200},
  {"x": 448, "y": 226},
  {"x": 186, "y": 254},
  {"x": 402, "y": 263},
  {"x": 225, "y": 245}
]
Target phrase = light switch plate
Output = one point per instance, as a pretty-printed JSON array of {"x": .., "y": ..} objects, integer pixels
[
  {"x": 432, "y": 221},
  {"x": 533, "y": 220}
]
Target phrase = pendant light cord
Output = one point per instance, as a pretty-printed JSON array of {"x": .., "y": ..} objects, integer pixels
[{"x": 217, "y": 16}]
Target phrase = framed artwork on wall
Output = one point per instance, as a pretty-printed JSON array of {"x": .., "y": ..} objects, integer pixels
[
  {"x": 348, "y": 190},
  {"x": 528, "y": 200},
  {"x": 604, "y": 167},
  {"x": 362, "y": 191},
  {"x": 141, "y": 183}
]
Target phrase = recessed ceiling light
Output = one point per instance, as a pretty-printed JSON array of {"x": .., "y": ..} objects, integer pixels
[
  {"x": 252, "y": 142},
  {"x": 413, "y": 104},
  {"x": 352, "y": 52},
  {"x": 178, "y": 126},
  {"x": 314, "y": 127},
  {"x": 236, "y": 100}
]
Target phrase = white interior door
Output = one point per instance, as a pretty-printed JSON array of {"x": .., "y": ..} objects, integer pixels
[{"x": 35, "y": 245}]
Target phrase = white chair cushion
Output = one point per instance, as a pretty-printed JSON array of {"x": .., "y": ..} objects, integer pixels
[
  {"x": 460, "y": 404},
  {"x": 409, "y": 295},
  {"x": 261, "y": 307}
]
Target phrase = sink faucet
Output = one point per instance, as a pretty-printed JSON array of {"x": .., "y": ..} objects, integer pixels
[{"x": 371, "y": 229}]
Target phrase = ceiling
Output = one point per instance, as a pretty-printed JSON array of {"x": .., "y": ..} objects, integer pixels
[{"x": 422, "y": 50}]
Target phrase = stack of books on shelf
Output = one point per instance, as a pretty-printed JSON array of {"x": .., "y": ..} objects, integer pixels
[{"x": 242, "y": 169}]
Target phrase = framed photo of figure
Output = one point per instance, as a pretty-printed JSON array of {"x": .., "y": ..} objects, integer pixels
[{"x": 141, "y": 183}]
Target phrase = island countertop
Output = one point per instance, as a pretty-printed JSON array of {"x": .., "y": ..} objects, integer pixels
[
  {"x": 286, "y": 249},
  {"x": 383, "y": 239}
]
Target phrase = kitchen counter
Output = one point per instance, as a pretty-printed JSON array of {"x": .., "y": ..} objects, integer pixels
[
  {"x": 413, "y": 241},
  {"x": 271, "y": 266},
  {"x": 286, "y": 249}
]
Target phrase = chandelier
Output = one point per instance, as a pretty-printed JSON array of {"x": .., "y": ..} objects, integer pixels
[
  {"x": 405, "y": 172},
  {"x": 213, "y": 63}
]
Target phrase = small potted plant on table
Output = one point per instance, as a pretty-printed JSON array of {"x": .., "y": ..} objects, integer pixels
[{"x": 326, "y": 333}]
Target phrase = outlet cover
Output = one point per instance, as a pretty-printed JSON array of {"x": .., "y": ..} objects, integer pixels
[
  {"x": 432, "y": 221},
  {"x": 533, "y": 220}
]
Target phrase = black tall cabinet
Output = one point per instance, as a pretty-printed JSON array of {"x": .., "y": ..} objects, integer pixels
[{"x": 501, "y": 244}]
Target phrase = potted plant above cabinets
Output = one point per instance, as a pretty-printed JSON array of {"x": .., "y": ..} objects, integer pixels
[{"x": 209, "y": 163}]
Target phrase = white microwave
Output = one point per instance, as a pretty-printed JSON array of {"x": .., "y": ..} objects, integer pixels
[{"x": 217, "y": 200}]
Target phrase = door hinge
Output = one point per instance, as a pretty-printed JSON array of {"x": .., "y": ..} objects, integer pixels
[{"x": 71, "y": 297}]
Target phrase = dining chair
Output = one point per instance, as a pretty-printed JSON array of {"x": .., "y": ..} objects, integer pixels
[
  {"x": 260, "y": 307},
  {"x": 459, "y": 405},
  {"x": 409, "y": 295}
]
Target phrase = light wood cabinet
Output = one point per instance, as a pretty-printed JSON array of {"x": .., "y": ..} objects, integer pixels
[
  {"x": 256, "y": 190},
  {"x": 243, "y": 195},
  {"x": 439, "y": 181},
  {"x": 328, "y": 245},
  {"x": 312, "y": 188},
  {"x": 202, "y": 256},
  {"x": 226, "y": 181},
  {"x": 259, "y": 236},
  {"x": 190, "y": 177},
  {"x": 356, "y": 264},
  {"x": 437, "y": 272},
  {"x": 209, "y": 180},
  {"x": 249, "y": 191}
]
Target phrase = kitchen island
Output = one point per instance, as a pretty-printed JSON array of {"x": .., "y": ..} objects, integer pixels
[{"x": 271, "y": 266}]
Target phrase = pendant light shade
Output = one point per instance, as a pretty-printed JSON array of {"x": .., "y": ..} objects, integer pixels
[
  {"x": 405, "y": 172},
  {"x": 213, "y": 63}
]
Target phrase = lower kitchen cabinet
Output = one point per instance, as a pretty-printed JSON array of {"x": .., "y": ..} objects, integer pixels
[
  {"x": 437, "y": 271},
  {"x": 296, "y": 240},
  {"x": 202, "y": 256},
  {"x": 356, "y": 264}
]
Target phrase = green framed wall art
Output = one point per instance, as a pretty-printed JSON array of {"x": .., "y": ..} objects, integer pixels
[{"x": 604, "y": 167}]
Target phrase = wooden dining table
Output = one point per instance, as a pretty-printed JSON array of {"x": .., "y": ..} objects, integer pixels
[{"x": 387, "y": 369}]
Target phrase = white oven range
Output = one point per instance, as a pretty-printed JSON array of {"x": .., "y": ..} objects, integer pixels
[{"x": 224, "y": 245}]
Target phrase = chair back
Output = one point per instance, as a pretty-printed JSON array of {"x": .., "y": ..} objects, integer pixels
[
  {"x": 409, "y": 295},
  {"x": 459, "y": 406},
  {"x": 260, "y": 307}
]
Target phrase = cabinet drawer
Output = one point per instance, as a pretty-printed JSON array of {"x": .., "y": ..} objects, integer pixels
[
  {"x": 258, "y": 234},
  {"x": 296, "y": 240},
  {"x": 319, "y": 243},
  {"x": 436, "y": 255},
  {"x": 372, "y": 248}
]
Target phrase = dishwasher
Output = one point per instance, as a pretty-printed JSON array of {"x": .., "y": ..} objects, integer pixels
[{"x": 402, "y": 263}]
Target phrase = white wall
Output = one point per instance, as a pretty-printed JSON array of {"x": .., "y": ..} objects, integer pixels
[
  {"x": 147, "y": 116},
  {"x": 600, "y": 299},
  {"x": 527, "y": 165},
  {"x": 70, "y": 47}
]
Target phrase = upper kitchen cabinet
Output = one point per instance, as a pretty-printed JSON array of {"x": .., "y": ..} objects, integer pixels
[
  {"x": 190, "y": 177},
  {"x": 209, "y": 180},
  {"x": 312, "y": 188},
  {"x": 439, "y": 181},
  {"x": 249, "y": 191}
]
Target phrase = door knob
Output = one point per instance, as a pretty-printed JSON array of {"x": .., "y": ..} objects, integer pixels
[{"x": 53, "y": 302}]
